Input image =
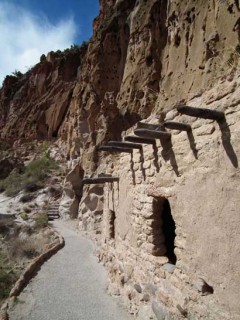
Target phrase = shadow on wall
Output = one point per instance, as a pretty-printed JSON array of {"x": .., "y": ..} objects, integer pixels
[
  {"x": 156, "y": 160},
  {"x": 141, "y": 164},
  {"x": 192, "y": 143},
  {"x": 168, "y": 154},
  {"x": 226, "y": 141},
  {"x": 132, "y": 170}
]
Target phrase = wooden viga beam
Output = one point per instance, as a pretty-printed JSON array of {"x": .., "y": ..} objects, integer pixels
[
  {"x": 139, "y": 140},
  {"x": 99, "y": 180},
  {"x": 153, "y": 134},
  {"x": 201, "y": 112},
  {"x": 115, "y": 149},
  {"x": 177, "y": 125},
  {"x": 125, "y": 144},
  {"x": 150, "y": 126}
]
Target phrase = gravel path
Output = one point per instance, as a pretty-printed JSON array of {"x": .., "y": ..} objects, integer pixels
[{"x": 70, "y": 286}]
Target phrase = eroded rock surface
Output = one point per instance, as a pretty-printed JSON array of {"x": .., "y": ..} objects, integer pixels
[{"x": 167, "y": 231}]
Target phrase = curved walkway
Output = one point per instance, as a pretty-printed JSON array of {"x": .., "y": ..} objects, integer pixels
[{"x": 70, "y": 286}]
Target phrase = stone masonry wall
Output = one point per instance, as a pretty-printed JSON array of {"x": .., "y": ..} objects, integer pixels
[{"x": 198, "y": 173}]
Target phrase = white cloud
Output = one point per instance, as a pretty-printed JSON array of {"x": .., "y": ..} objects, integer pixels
[{"x": 24, "y": 37}]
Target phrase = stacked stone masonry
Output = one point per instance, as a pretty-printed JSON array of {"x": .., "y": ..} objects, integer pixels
[
  {"x": 199, "y": 177},
  {"x": 144, "y": 59}
]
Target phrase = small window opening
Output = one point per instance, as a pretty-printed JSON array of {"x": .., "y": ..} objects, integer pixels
[
  {"x": 164, "y": 228},
  {"x": 112, "y": 219}
]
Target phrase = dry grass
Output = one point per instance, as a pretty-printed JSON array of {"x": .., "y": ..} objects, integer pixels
[
  {"x": 7, "y": 275},
  {"x": 24, "y": 248},
  {"x": 14, "y": 255}
]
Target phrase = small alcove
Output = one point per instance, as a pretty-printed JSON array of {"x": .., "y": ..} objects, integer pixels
[{"x": 163, "y": 226}]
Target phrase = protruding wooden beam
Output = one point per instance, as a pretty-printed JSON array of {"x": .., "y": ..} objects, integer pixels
[
  {"x": 177, "y": 125},
  {"x": 201, "y": 112},
  {"x": 150, "y": 126},
  {"x": 99, "y": 180},
  {"x": 152, "y": 134},
  {"x": 140, "y": 140},
  {"x": 125, "y": 144},
  {"x": 115, "y": 149}
]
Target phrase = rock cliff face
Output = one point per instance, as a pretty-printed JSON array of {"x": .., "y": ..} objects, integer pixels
[{"x": 168, "y": 230}]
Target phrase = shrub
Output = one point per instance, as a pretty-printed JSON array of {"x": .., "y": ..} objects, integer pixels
[
  {"x": 43, "y": 58},
  {"x": 23, "y": 248},
  {"x": 41, "y": 220},
  {"x": 38, "y": 169},
  {"x": 32, "y": 187},
  {"x": 26, "y": 198},
  {"x": 7, "y": 275},
  {"x": 34, "y": 173},
  {"x": 12, "y": 184},
  {"x": 24, "y": 216},
  {"x": 17, "y": 74},
  {"x": 27, "y": 209},
  {"x": 6, "y": 280},
  {"x": 44, "y": 148}
]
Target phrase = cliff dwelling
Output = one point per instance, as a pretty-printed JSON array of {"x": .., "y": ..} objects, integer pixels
[{"x": 144, "y": 120}]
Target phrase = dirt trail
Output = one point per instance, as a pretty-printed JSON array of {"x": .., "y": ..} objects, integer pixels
[{"x": 70, "y": 286}]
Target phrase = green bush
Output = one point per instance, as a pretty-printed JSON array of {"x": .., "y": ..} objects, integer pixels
[
  {"x": 36, "y": 172},
  {"x": 41, "y": 220},
  {"x": 17, "y": 74},
  {"x": 7, "y": 276},
  {"x": 24, "y": 216},
  {"x": 27, "y": 209},
  {"x": 12, "y": 184}
]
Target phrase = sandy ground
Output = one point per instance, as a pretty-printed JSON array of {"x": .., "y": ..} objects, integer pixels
[{"x": 70, "y": 286}]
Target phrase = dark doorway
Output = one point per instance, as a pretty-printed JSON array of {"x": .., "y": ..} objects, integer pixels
[
  {"x": 168, "y": 229},
  {"x": 163, "y": 228}
]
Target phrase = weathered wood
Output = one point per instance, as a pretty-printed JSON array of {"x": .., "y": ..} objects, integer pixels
[
  {"x": 99, "y": 180},
  {"x": 139, "y": 140},
  {"x": 152, "y": 134},
  {"x": 150, "y": 126},
  {"x": 125, "y": 144},
  {"x": 177, "y": 125},
  {"x": 201, "y": 112},
  {"x": 115, "y": 149}
]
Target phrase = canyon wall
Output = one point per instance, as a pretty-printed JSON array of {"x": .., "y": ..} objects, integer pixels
[{"x": 167, "y": 231}]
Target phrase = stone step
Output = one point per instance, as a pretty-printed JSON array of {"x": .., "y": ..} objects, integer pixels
[
  {"x": 53, "y": 218},
  {"x": 53, "y": 215}
]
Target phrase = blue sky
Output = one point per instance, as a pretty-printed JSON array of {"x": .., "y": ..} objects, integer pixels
[{"x": 29, "y": 28}]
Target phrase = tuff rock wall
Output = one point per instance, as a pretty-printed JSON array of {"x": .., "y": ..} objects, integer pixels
[{"x": 144, "y": 58}]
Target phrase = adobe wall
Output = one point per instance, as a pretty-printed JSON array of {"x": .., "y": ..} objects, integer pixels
[{"x": 198, "y": 173}]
